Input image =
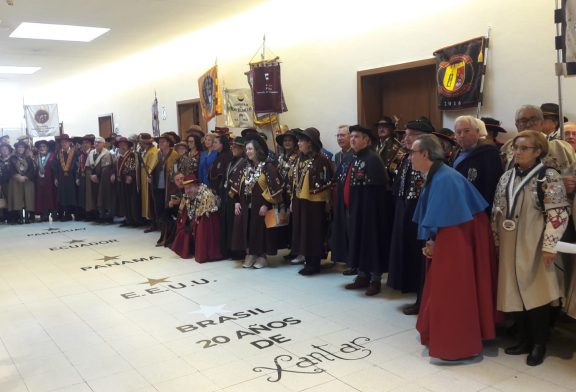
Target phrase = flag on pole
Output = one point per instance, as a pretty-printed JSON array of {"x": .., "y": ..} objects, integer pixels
[
  {"x": 459, "y": 70},
  {"x": 42, "y": 120},
  {"x": 566, "y": 42},
  {"x": 210, "y": 95},
  {"x": 155, "y": 121}
]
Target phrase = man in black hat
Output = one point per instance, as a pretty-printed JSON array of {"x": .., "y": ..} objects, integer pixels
[
  {"x": 66, "y": 170},
  {"x": 551, "y": 123},
  {"x": 163, "y": 180},
  {"x": 389, "y": 148},
  {"x": 362, "y": 226}
]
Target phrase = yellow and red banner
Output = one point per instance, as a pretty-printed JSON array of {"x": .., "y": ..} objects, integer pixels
[{"x": 459, "y": 70}]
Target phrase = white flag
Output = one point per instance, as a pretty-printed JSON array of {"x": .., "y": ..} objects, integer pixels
[{"x": 42, "y": 120}]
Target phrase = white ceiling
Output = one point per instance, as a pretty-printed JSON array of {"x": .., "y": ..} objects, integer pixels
[{"x": 135, "y": 26}]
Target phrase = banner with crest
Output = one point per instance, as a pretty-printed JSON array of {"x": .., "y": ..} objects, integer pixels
[
  {"x": 238, "y": 108},
  {"x": 210, "y": 95},
  {"x": 459, "y": 71},
  {"x": 265, "y": 82},
  {"x": 42, "y": 120}
]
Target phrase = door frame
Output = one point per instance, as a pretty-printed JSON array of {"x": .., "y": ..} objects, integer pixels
[
  {"x": 203, "y": 124},
  {"x": 110, "y": 117},
  {"x": 383, "y": 70}
]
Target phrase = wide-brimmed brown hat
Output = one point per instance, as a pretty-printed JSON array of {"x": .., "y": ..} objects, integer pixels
[
  {"x": 552, "y": 110},
  {"x": 367, "y": 131},
  {"x": 221, "y": 131},
  {"x": 123, "y": 139},
  {"x": 63, "y": 137},
  {"x": 290, "y": 133},
  {"x": 386, "y": 122},
  {"x": 311, "y": 134},
  {"x": 168, "y": 136},
  {"x": 195, "y": 130},
  {"x": 145, "y": 138},
  {"x": 181, "y": 144}
]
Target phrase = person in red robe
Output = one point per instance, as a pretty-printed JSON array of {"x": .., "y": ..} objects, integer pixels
[
  {"x": 457, "y": 309},
  {"x": 198, "y": 225}
]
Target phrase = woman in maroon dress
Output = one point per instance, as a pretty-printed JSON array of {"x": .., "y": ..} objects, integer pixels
[
  {"x": 198, "y": 225},
  {"x": 45, "y": 194}
]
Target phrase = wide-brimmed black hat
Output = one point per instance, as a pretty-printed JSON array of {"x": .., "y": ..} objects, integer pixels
[
  {"x": 420, "y": 125},
  {"x": 290, "y": 133},
  {"x": 258, "y": 139},
  {"x": 492, "y": 125},
  {"x": 239, "y": 141},
  {"x": 248, "y": 131},
  {"x": 311, "y": 134},
  {"x": 552, "y": 110},
  {"x": 367, "y": 131},
  {"x": 443, "y": 136},
  {"x": 21, "y": 143},
  {"x": 40, "y": 142},
  {"x": 7, "y": 145}
]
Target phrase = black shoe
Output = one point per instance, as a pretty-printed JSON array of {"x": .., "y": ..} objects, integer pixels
[
  {"x": 307, "y": 271},
  {"x": 350, "y": 271},
  {"x": 411, "y": 310},
  {"x": 536, "y": 356},
  {"x": 519, "y": 349}
]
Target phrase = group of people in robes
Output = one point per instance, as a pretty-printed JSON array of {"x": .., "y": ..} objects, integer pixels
[{"x": 467, "y": 223}]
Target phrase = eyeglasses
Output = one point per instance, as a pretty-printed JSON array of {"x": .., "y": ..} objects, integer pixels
[
  {"x": 526, "y": 121},
  {"x": 523, "y": 148}
]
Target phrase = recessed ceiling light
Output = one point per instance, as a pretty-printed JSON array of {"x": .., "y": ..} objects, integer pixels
[
  {"x": 57, "y": 32},
  {"x": 18, "y": 70}
]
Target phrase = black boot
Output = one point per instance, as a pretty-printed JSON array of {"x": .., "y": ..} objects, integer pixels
[{"x": 536, "y": 355}]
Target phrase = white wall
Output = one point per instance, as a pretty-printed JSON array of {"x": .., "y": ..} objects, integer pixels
[{"x": 322, "y": 46}]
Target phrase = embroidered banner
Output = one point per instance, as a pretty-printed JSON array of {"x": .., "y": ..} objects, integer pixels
[
  {"x": 265, "y": 81},
  {"x": 210, "y": 96},
  {"x": 459, "y": 70},
  {"x": 42, "y": 120},
  {"x": 566, "y": 42},
  {"x": 239, "y": 109}
]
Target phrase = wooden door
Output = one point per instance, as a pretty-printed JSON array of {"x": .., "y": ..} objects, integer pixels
[
  {"x": 105, "y": 125},
  {"x": 188, "y": 115},
  {"x": 406, "y": 91}
]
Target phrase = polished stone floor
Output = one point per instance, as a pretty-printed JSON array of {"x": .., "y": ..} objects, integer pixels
[{"x": 96, "y": 308}]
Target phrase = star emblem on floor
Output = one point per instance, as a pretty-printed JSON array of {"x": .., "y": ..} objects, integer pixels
[
  {"x": 108, "y": 258},
  {"x": 51, "y": 229},
  {"x": 154, "y": 282},
  {"x": 209, "y": 311}
]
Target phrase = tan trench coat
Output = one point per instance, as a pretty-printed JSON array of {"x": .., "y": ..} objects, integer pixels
[{"x": 524, "y": 282}]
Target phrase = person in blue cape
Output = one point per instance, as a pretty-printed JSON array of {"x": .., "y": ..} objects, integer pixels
[{"x": 457, "y": 309}]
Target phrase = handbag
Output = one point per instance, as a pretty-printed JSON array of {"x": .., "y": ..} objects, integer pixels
[{"x": 277, "y": 216}]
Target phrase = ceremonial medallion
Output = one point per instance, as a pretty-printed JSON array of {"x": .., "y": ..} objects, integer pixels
[{"x": 509, "y": 224}]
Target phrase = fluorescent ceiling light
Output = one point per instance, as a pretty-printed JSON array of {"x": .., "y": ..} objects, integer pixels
[
  {"x": 18, "y": 70},
  {"x": 57, "y": 32}
]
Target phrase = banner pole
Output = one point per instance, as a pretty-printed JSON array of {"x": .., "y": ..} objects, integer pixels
[
  {"x": 559, "y": 76},
  {"x": 485, "y": 58}
]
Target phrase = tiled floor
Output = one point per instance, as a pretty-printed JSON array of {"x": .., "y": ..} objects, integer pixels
[{"x": 99, "y": 308}]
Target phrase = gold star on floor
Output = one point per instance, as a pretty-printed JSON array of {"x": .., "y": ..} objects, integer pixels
[
  {"x": 75, "y": 241},
  {"x": 52, "y": 229},
  {"x": 153, "y": 282},
  {"x": 108, "y": 258}
]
